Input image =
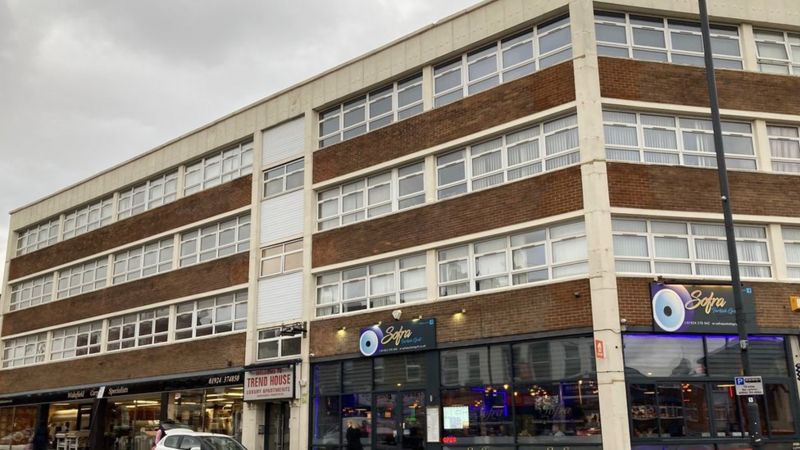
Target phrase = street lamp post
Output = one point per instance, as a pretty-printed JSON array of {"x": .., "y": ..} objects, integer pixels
[{"x": 736, "y": 284}]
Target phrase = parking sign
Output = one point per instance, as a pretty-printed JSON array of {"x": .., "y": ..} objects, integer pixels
[{"x": 749, "y": 386}]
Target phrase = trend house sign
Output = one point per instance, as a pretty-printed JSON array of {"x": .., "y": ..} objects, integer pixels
[
  {"x": 398, "y": 337},
  {"x": 269, "y": 384}
]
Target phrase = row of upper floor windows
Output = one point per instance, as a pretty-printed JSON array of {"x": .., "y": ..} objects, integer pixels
[
  {"x": 618, "y": 34},
  {"x": 200, "y": 244},
  {"x": 209, "y": 171},
  {"x": 651, "y": 247},
  {"x": 219, "y": 314},
  {"x": 652, "y": 138}
]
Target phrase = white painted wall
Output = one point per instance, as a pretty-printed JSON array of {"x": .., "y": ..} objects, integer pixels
[{"x": 280, "y": 298}]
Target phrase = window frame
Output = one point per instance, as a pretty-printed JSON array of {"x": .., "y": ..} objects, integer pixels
[
  {"x": 721, "y": 60},
  {"x": 242, "y": 153},
  {"x": 775, "y": 138},
  {"x": 237, "y": 323},
  {"x": 70, "y": 338},
  {"x": 168, "y": 185},
  {"x": 18, "y": 300},
  {"x": 117, "y": 324},
  {"x": 284, "y": 178},
  {"x": 30, "y": 239},
  {"x": 67, "y": 275},
  {"x": 80, "y": 220},
  {"x": 159, "y": 247},
  {"x": 37, "y": 343},
  {"x": 396, "y": 112},
  {"x": 792, "y": 66},
  {"x": 240, "y": 225},
  {"x": 281, "y": 258},
  {"x": 280, "y": 339}
]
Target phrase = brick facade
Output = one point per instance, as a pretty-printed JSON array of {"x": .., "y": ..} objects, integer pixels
[
  {"x": 694, "y": 189},
  {"x": 533, "y": 198},
  {"x": 196, "y": 207},
  {"x": 203, "y": 277},
  {"x": 686, "y": 85},
  {"x": 535, "y": 309},
  {"x": 472, "y": 114},
  {"x": 772, "y": 303},
  {"x": 198, "y": 355}
]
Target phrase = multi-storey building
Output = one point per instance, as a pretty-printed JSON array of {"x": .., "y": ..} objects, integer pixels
[{"x": 501, "y": 231}]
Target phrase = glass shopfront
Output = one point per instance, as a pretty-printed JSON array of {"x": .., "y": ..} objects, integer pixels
[
  {"x": 17, "y": 425},
  {"x": 522, "y": 395},
  {"x": 681, "y": 391}
]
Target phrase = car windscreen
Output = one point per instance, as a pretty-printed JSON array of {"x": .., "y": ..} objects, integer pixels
[{"x": 222, "y": 443}]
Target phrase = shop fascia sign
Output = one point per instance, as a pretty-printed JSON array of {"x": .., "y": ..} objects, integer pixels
[
  {"x": 273, "y": 383},
  {"x": 695, "y": 308},
  {"x": 397, "y": 337}
]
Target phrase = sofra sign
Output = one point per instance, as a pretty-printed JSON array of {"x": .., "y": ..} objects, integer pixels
[
  {"x": 695, "y": 308},
  {"x": 398, "y": 337}
]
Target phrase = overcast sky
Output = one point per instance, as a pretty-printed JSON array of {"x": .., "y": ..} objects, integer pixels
[{"x": 88, "y": 84}]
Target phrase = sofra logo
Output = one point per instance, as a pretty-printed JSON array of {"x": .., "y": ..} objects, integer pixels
[
  {"x": 669, "y": 311},
  {"x": 370, "y": 341}
]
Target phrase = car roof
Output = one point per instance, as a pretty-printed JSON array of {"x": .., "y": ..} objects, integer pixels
[{"x": 190, "y": 432}]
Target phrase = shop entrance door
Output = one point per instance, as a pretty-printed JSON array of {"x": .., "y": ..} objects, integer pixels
[
  {"x": 276, "y": 426},
  {"x": 400, "y": 420}
]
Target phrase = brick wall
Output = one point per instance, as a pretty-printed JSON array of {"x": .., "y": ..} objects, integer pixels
[
  {"x": 542, "y": 196},
  {"x": 536, "y": 92},
  {"x": 693, "y": 189},
  {"x": 197, "y": 279},
  {"x": 686, "y": 85},
  {"x": 184, "y": 357},
  {"x": 772, "y": 303},
  {"x": 208, "y": 203},
  {"x": 535, "y": 309}
]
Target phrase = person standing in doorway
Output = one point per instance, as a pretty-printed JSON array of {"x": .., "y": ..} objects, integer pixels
[{"x": 353, "y": 436}]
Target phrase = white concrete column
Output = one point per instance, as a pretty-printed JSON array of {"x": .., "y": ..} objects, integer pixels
[
  {"x": 597, "y": 213},
  {"x": 761, "y": 146},
  {"x": 749, "y": 55},
  {"x": 427, "y": 88},
  {"x": 252, "y": 417},
  {"x": 778, "y": 257}
]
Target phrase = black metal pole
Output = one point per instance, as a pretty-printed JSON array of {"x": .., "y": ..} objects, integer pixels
[{"x": 733, "y": 257}]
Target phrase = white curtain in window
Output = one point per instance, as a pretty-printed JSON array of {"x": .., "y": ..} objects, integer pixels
[
  {"x": 752, "y": 251},
  {"x": 781, "y": 148},
  {"x": 491, "y": 264},
  {"x": 569, "y": 250},
  {"x": 669, "y": 247},
  {"x": 699, "y": 142},
  {"x": 750, "y": 232},
  {"x": 523, "y": 152},
  {"x": 711, "y": 249},
  {"x": 660, "y": 139},
  {"x": 703, "y": 229},
  {"x": 487, "y": 163},
  {"x": 412, "y": 279},
  {"x": 620, "y": 135},
  {"x": 383, "y": 284},
  {"x": 792, "y": 252},
  {"x": 630, "y": 246},
  {"x": 561, "y": 141}
]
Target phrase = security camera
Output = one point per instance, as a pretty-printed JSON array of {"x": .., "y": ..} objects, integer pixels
[{"x": 397, "y": 314}]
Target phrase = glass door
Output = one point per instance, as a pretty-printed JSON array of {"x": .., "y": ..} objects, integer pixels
[
  {"x": 277, "y": 426},
  {"x": 400, "y": 420}
]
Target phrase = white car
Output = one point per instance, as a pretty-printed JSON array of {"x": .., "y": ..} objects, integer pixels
[{"x": 183, "y": 439}]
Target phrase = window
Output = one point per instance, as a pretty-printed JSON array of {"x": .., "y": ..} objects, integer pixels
[
  {"x": 75, "y": 341},
  {"x": 272, "y": 345},
  {"x": 520, "y": 154},
  {"x": 283, "y": 178},
  {"x": 218, "y": 168},
  {"x": 148, "y": 195},
  {"x": 82, "y": 278},
  {"x": 372, "y": 286},
  {"x": 784, "y": 145},
  {"x": 215, "y": 241},
  {"x": 370, "y": 197},
  {"x": 680, "y": 248},
  {"x": 664, "y": 40},
  {"x": 656, "y": 139},
  {"x": 149, "y": 259},
  {"x": 778, "y": 51},
  {"x": 397, "y": 101},
  {"x": 538, "y": 255},
  {"x": 215, "y": 315},
  {"x": 88, "y": 218},
  {"x": 24, "y": 350},
  {"x": 35, "y": 291},
  {"x": 510, "y": 58},
  {"x": 791, "y": 244},
  {"x": 138, "y": 329},
  {"x": 37, "y": 236},
  {"x": 282, "y": 258}
]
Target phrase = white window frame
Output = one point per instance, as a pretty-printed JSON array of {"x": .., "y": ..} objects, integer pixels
[
  {"x": 74, "y": 278},
  {"x": 335, "y": 282},
  {"x": 782, "y": 163},
  {"x": 88, "y": 218},
  {"x": 733, "y": 160},
  {"x": 144, "y": 261},
  {"x": 38, "y": 236},
  {"x": 212, "y": 305},
  {"x": 544, "y": 162},
  {"x": 288, "y": 171},
  {"x": 396, "y": 112},
  {"x": 148, "y": 195},
  {"x": 538, "y": 61},
  {"x": 362, "y": 188},
  {"x": 717, "y": 32},
  {"x": 264, "y": 338},
  {"x": 64, "y": 341},
  {"x": 31, "y": 292},
  {"x": 574, "y": 231},
  {"x": 191, "y": 251},
  {"x": 135, "y": 322},
  {"x": 281, "y": 257},
  {"x": 791, "y": 45},
  {"x": 691, "y": 238},
  {"x": 791, "y": 239},
  {"x": 24, "y": 350},
  {"x": 218, "y": 167}
]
